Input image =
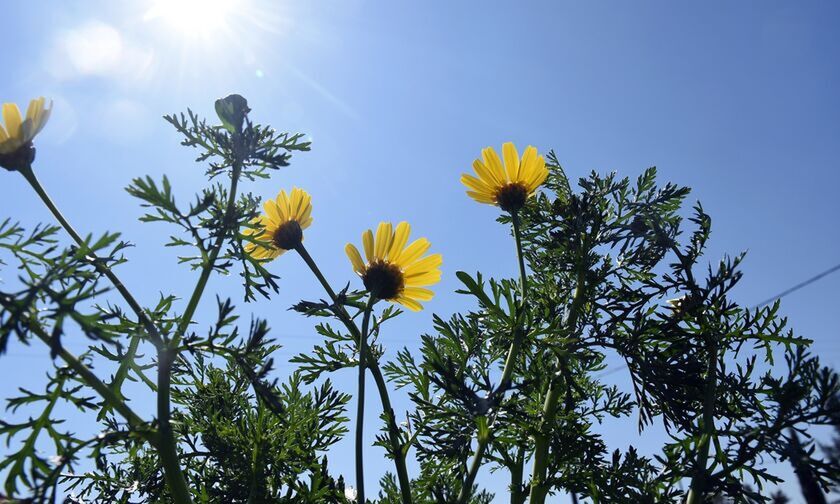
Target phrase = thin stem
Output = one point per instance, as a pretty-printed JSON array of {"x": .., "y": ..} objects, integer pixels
[
  {"x": 360, "y": 411},
  {"x": 510, "y": 363},
  {"x": 110, "y": 397},
  {"x": 523, "y": 278},
  {"x": 381, "y": 385},
  {"x": 519, "y": 333},
  {"x": 165, "y": 443},
  {"x": 697, "y": 489},
  {"x": 168, "y": 449},
  {"x": 517, "y": 495},
  {"x": 475, "y": 465},
  {"x": 539, "y": 486},
  {"x": 167, "y": 354},
  {"x": 145, "y": 321},
  {"x": 103, "y": 269},
  {"x": 207, "y": 267}
]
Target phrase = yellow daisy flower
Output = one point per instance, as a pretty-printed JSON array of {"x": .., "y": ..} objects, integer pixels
[
  {"x": 281, "y": 227},
  {"x": 393, "y": 271},
  {"x": 19, "y": 132},
  {"x": 508, "y": 186}
]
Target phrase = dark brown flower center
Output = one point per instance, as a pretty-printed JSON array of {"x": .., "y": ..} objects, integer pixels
[
  {"x": 288, "y": 235},
  {"x": 20, "y": 158},
  {"x": 384, "y": 280},
  {"x": 511, "y": 197}
]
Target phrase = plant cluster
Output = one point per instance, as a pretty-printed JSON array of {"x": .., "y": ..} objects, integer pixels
[{"x": 610, "y": 267}]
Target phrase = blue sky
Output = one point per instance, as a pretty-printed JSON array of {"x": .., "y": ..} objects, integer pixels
[{"x": 736, "y": 99}]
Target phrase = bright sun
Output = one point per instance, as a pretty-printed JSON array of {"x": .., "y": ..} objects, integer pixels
[{"x": 193, "y": 18}]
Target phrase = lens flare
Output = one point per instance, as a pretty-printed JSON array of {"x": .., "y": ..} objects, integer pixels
[{"x": 194, "y": 18}]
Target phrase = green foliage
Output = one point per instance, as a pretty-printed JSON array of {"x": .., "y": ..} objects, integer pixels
[
  {"x": 241, "y": 436},
  {"x": 615, "y": 269}
]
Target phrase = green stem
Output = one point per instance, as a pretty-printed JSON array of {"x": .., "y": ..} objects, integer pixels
[
  {"x": 381, "y": 385},
  {"x": 207, "y": 267},
  {"x": 523, "y": 278},
  {"x": 697, "y": 489},
  {"x": 167, "y": 354},
  {"x": 510, "y": 362},
  {"x": 393, "y": 431},
  {"x": 108, "y": 394},
  {"x": 168, "y": 447},
  {"x": 360, "y": 410},
  {"x": 165, "y": 441},
  {"x": 513, "y": 351},
  {"x": 517, "y": 496},
  {"x": 475, "y": 465},
  {"x": 147, "y": 323},
  {"x": 519, "y": 333},
  {"x": 539, "y": 486}
]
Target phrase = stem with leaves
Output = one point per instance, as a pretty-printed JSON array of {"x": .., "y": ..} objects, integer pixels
[
  {"x": 175, "y": 479},
  {"x": 164, "y": 441},
  {"x": 144, "y": 320},
  {"x": 210, "y": 263},
  {"x": 107, "y": 394},
  {"x": 399, "y": 450},
  {"x": 697, "y": 489},
  {"x": 517, "y": 470},
  {"x": 510, "y": 364},
  {"x": 360, "y": 411},
  {"x": 97, "y": 263},
  {"x": 167, "y": 354},
  {"x": 539, "y": 485}
]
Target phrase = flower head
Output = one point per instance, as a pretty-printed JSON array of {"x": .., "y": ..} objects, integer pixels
[
  {"x": 16, "y": 134},
  {"x": 281, "y": 227},
  {"x": 508, "y": 185},
  {"x": 395, "y": 271}
]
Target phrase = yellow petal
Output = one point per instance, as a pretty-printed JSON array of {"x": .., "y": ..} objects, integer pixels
[
  {"x": 428, "y": 263},
  {"x": 476, "y": 184},
  {"x": 270, "y": 208},
  {"x": 294, "y": 202},
  {"x": 409, "y": 303},
  {"x": 527, "y": 163},
  {"x": 42, "y": 119},
  {"x": 492, "y": 161},
  {"x": 511, "y": 161},
  {"x": 283, "y": 206},
  {"x": 3, "y": 135},
  {"x": 33, "y": 117},
  {"x": 423, "y": 278},
  {"x": 486, "y": 175},
  {"x": 306, "y": 212},
  {"x": 413, "y": 251},
  {"x": 400, "y": 239},
  {"x": 355, "y": 258},
  {"x": 384, "y": 237},
  {"x": 262, "y": 225},
  {"x": 11, "y": 116},
  {"x": 367, "y": 241},
  {"x": 418, "y": 293},
  {"x": 32, "y": 109},
  {"x": 481, "y": 197},
  {"x": 275, "y": 253},
  {"x": 539, "y": 174},
  {"x": 305, "y": 206}
]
